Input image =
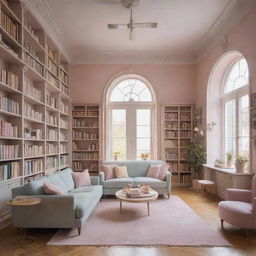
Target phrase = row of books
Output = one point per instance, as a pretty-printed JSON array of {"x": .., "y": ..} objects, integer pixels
[
  {"x": 171, "y": 134},
  {"x": 9, "y": 105},
  {"x": 31, "y": 50},
  {"x": 173, "y": 167},
  {"x": 36, "y": 134},
  {"x": 171, "y": 116},
  {"x": 78, "y": 166},
  {"x": 64, "y": 88},
  {"x": 183, "y": 154},
  {"x": 51, "y": 119},
  {"x": 63, "y": 107},
  {"x": 9, "y": 151},
  {"x": 31, "y": 30},
  {"x": 8, "y": 129},
  {"x": 51, "y": 162},
  {"x": 33, "y": 150},
  {"x": 91, "y": 146},
  {"x": 84, "y": 123},
  {"x": 63, "y": 136},
  {"x": 51, "y": 53},
  {"x": 171, "y": 155},
  {"x": 52, "y": 148},
  {"x": 52, "y": 80},
  {"x": 52, "y": 66},
  {"x": 185, "y": 134},
  {"x": 86, "y": 156},
  {"x": 85, "y": 113},
  {"x": 185, "y": 115},
  {"x": 171, "y": 143},
  {"x": 185, "y": 125},
  {"x": 63, "y": 77},
  {"x": 63, "y": 148},
  {"x": 63, "y": 123},
  {"x": 51, "y": 101},
  {"x": 31, "y": 113},
  {"x": 51, "y": 134},
  {"x": 63, "y": 160},
  {"x": 183, "y": 167},
  {"x": 9, "y": 170},
  {"x": 33, "y": 63},
  {"x": 11, "y": 27},
  {"x": 9, "y": 78},
  {"x": 33, "y": 166},
  {"x": 171, "y": 125},
  {"x": 81, "y": 135},
  {"x": 31, "y": 91}
]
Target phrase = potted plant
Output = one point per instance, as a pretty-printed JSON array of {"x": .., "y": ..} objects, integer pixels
[
  {"x": 195, "y": 158},
  {"x": 219, "y": 163},
  {"x": 116, "y": 153},
  {"x": 144, "y": 156},
  {"x": 229, "y": 159},
  {"x": 241, "y": 162}
]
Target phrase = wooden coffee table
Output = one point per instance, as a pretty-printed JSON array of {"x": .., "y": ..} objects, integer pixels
[
  {"x": 24, "y": 201},
  {"x": 122, "y": 197}
]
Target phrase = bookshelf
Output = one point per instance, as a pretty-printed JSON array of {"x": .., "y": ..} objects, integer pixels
[
  {"x": 86, "y": 138},
  {"x": 177, "y": 132},
  {"x": 34, "y": 99}
]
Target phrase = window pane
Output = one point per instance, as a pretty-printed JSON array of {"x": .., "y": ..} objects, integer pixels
[
  {"x": 230, "y": 125},
  {"x": 238, "y": 76},
  {"x": 143, "y": 134},
  {"x": 119, "y": 133},
  {"x": 244, "y": 125}
]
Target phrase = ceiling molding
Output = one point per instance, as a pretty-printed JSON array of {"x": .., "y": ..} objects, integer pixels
[
  {"x": 44, "y": 15},
  {"x": 231, "y": 15}
]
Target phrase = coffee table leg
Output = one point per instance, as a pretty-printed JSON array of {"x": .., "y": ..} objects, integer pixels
[
  {"x": 148, "y": 207},
  {"x": 120, "y": 206}
]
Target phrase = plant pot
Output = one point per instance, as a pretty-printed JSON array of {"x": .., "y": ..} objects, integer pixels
[
  {"x": 115, "y": 157},
  {"x": 229, "y": 164},
  {"x": 240, "y": 167}
]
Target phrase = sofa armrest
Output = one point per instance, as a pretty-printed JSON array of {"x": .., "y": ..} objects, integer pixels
[
  {"x": 54, "y": 211},
  {"x": 168, "y": 179},
  {"x": 239, "y": 195},
  {"x": 95, "y": 180},
  {"x": 101, "y": 177}
]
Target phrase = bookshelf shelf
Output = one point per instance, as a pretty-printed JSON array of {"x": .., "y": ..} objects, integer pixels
[
  {"x": 25, "y": 51},
  {"x": 177, "y": 131},
  {"x": 86, "y": 134}
]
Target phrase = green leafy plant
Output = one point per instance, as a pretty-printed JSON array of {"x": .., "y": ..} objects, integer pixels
[
  {"x": 242, "y": 159},
  {"x": 229, "y": 156},
  {"x": 195, "y": 157}
]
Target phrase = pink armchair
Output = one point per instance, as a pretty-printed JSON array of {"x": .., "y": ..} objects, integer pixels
[{"x": 240, "y": 208}]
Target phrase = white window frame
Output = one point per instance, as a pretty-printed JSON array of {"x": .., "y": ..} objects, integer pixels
[{"x": 129, "y": 107}]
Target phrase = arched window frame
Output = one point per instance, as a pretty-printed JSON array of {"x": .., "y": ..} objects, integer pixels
[
  {"x": 109, "y": 106},
  {"x": 235, "y": 95}
]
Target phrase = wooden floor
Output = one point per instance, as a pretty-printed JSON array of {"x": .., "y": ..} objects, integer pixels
[{"x": 33, "y": 242}]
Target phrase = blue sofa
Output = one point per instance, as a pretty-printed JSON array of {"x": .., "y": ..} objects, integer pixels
[
  {"x": 137, "y": 172},
  {"x": 70, "y": 210}
]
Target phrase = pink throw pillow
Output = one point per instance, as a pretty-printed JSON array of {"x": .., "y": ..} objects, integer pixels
[
  {"x": 163, "y": 169},
  {"x": 153, "y": 171},
  {"x": 109, "y": 171},
  {"x": 52, "y": 189},
  {"x": 81, "y": 178}
]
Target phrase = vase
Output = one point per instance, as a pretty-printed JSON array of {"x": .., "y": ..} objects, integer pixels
[
  {"x": 240, "y": 167},
  {"x": 115, "y": 157},
  {"x": 229, "y": 164}
]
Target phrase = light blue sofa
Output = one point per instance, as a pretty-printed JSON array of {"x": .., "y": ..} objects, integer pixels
[
  {"x": 137, "y": 172},
  {"x": 70, "y": 210}
]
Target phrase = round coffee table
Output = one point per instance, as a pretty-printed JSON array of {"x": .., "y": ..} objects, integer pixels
[
  {"x": 23, "y": 201},
  {"x": 122, "y": 197}
]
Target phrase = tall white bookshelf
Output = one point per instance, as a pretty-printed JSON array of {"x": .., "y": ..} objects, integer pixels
[
  {"x": 86, "y": 138},
  {"x": 177, "y": 132}
]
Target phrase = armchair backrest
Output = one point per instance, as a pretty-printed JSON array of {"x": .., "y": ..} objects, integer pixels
[{"x": 254, "y": 187}]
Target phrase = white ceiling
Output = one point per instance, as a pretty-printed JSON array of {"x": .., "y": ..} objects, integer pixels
[{"x": 186, "y": 28}]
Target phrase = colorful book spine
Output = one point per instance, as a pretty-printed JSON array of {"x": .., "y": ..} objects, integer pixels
[
  {"x": 9, "y": 151},
  {"x": 8, "y": 129},
  {"x": 9, "y": 105},
  {"x": 9, "y": 170}
]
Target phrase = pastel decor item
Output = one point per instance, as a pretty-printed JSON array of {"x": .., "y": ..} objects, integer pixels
[
  {"x": 52, "y": 189},
  {"x": 153, "y": 171},
  {"x": 162, "y": 172},
  {"x": 81, "y": 178},
  {"x": 109, "y": 171},
  {"x": 121, "y": 171}
]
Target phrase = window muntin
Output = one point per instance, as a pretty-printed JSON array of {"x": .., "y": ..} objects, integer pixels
[
  {"x": 237, "y": 77},
  {"x": 131, "y": 90}
]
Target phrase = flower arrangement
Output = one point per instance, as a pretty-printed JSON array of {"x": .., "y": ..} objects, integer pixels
[
  {"x": 116, "y": 153},
  {"x": 241, "y": 162},
  {"x": 144, "y": 156}
]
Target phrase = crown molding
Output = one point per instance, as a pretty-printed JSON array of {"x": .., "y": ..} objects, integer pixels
[
  {"x": 232, "y": 14},
  {"x": 132, "y": 58},
  {"x": 44, "y": 15}
]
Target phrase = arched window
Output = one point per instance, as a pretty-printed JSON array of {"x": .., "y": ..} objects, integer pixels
[
  {"x": 236, "y": 109},
  {"x": 130, "y": 118}
]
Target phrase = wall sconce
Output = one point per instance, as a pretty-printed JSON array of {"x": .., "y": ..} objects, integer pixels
[{"x": 210, "y": 125}]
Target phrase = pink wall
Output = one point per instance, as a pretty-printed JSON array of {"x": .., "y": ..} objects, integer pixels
[
  {"x": 242, "y": 38},
  {"x": 172, "y": 83}
]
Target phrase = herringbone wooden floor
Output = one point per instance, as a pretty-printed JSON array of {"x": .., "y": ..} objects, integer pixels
[{"x": 33, "y": 242}]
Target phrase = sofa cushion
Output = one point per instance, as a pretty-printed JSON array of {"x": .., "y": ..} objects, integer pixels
[
  {"x": 162, "y": 172},
  {"x": 52, "y": 189},
  {"x": 66, "y": 176},
  {"x": 109, "y": 171},
  {"x": 117, "y": 182},
  {"x": 152, "y": 182},
  {"x": 237, "y": 206},
  {"x": 121, "y": 171},
  {"x": 81, "y": 178},
  {"x": 153, "y": 171},
  {"x": 84, "y": 198}
]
